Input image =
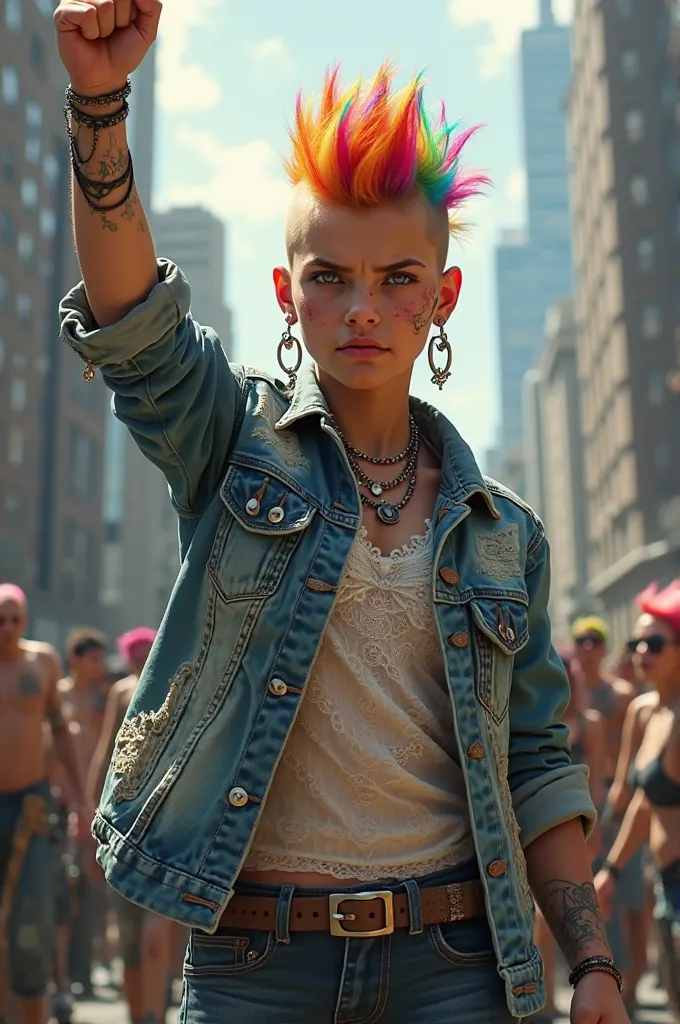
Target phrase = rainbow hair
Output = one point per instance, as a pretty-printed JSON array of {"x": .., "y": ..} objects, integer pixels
[
  {"x": 662, "y": 604},
  {"x": 363, "y": 146}
]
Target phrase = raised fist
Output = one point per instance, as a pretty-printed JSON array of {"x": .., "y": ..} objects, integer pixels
[{"x": 101, "y": 42}]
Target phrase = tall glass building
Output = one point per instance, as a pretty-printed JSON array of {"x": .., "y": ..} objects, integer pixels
[{"x": 534, "y": 268}]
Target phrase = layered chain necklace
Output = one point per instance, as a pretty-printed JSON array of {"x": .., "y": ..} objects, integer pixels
[{"x": 386, "y": 511}]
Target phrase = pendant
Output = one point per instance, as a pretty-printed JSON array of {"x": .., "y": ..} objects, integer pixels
[
  {"x": 376, "y": 489},
  {"x": 387, "y": 514}
]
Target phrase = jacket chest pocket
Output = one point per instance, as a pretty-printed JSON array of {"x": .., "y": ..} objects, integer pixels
[
  {"x": 501, "y": 629},
  {"x": 262, "y": 523}
]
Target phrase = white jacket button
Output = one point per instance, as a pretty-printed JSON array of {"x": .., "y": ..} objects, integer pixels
[{"x": 238, "y": 797}]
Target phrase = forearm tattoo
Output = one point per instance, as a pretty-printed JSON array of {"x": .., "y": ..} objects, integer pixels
[
  {"x": 573, "y": 913},
  {"x": 55, "y": 719}
]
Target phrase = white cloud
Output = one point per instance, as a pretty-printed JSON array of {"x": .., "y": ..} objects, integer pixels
[
  {"x": 272, "y": 52},
  {"x": 243, "y": 182},
  {"x": 505, "y": 19},
  {"x": 517, "y": 186},
  {"x": 184, "y": 86}
]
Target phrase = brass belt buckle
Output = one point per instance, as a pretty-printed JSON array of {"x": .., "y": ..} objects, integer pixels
[{"x": 335, "y": 901}]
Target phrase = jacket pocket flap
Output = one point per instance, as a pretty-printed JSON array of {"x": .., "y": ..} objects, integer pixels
[
  {"x": 506, "y": 623},
  {"x": 263, "y": 503}
]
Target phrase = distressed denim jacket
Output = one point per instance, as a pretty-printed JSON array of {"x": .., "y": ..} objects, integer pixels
[{"x": 268, "y": 509}]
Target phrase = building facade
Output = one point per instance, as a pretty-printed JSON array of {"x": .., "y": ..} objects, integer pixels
[
  {"x": 625, "y": 161},
  {"x": 51, "y": 422},
  {"x": 534, "y": 267}
]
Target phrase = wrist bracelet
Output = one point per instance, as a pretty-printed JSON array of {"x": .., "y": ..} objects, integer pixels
[
  {"x": 99, "y": 101},
  {"x": 611, "y": 868},
  {"x": 596, "y": 964}
]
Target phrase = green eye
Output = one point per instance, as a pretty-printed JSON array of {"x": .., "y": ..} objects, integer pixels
[
  {"x": 400, "y": 278},
  {"x": 326, "y": 277}
]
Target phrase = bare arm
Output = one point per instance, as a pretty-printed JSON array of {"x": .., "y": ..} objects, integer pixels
[
  {"x": 596, "y": 755},
  {"x": 64, "y": 747},
  {"x": 115, "y": 249},
  {"x": 633, "y": 832},
  {"x": 113, "y": 719},
  {"x": 619, "y": 794}
]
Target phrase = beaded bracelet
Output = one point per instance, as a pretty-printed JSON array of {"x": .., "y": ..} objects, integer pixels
[{"x": 592, "y": 964}]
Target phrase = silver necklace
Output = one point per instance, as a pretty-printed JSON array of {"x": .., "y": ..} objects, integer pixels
[{"x": 386, "y": 511}]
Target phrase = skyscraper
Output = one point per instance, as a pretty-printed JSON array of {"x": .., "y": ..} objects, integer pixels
[
  {"x": 51, "y": 422},
  {"x": 626, "y": 168},
  {"x": 533, "y": 268}
]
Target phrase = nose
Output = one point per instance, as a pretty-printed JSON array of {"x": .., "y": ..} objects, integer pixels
[{"x": 362, "y": 312}]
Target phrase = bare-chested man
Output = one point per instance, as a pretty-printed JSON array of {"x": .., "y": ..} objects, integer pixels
[
  {"x": 79, "y": 693},
  {"x": 29, "y": 674},
  {"x": 146, "y": 940}
]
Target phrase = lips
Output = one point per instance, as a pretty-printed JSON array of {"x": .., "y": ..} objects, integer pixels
[{"x": 363, "y": 343}]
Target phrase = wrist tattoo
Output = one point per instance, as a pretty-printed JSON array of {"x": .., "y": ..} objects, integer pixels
[{"x": 573, "y": 913}]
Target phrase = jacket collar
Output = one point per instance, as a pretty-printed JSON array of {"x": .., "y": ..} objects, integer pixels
[{"x": 461, "y": 476}]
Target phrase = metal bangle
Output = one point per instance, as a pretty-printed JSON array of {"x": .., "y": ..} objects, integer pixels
[
  {"x": 593, "y": 964},
  {"x": 99, "y": 101}
]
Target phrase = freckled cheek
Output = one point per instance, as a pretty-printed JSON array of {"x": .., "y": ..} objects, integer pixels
[
  {"x": 404, "y": 312},
  {"x": 313, "y": 311}
]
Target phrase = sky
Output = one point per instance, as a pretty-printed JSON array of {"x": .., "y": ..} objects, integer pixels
[{"x": 229, "y": 73}]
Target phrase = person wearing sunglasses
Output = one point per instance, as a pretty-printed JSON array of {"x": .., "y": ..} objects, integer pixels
[{"x": 654, "y": 811}]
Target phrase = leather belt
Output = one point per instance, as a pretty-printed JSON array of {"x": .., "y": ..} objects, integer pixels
[{"x": 360, "y": 915}]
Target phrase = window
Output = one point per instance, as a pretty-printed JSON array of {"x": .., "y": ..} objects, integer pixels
[
  {"x": 639, "y": 190},
  {"x": 656, "y": 388},
  {"x": 46, "y": 7},
  {"x": 32, "y": 151},
  {"x": 24, "y": 306},
  {"x": 9, "y": 86},
  {"x": 17, "y": 402},
  {"x": 14, "y": 509},
  {"x": 51, "y": 169},
  {"x": 6, "y": 227},
  {"x": 13, "y": 15},
  {"x": 624, "y": 8},
  {"x": 29, "y": 192},
  {"x": 15, "y": 446},
  {"x": 37, "y": 55},
  {"x": 34, "y": 115},
  {"x": 9, "y": 166},
  {"x": 4, "y": 287},
  {"x": 48, "y": 223},
  {"x": 646, "y": 251},
  {"x": 630, "y": 64},
  {"x": 25, "y": 246},
  {"x": 662, "y": 455},
  {"x": 3, "y": 353},
  {"x": 19, "y": 361},
  {"x": 635, "y": 125},
  {"x": 651, "y": 321}
]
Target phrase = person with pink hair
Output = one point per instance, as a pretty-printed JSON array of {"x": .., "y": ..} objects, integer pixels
[{"x": 654, "y": 812}]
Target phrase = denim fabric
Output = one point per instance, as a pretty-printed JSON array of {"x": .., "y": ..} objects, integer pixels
[
  {"x": 444, "y": 973},
  {"x": 32, "y": 920},
  {"x": 667, "y": 920},
  {"x": 268, "y": 509}
]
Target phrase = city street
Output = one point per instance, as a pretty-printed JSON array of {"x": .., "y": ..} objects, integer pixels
[{"x": 109, "y": 1010}]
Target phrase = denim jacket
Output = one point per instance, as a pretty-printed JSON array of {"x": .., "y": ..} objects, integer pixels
[{"x": 268, "y": 509}]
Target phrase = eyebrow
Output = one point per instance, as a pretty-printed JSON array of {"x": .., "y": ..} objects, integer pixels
[{"x": 319, "y": 261}]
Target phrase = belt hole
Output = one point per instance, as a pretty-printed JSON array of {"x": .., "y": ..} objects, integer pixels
[
  {"x": 371, "y": 916},
  {"x": 266, "y": 913},
  {"x": 315, "y": 914},
  {"x": 299, "y": 915}
]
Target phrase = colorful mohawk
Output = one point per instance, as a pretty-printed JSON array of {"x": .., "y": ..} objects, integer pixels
[{"x": 367, "y": 145}]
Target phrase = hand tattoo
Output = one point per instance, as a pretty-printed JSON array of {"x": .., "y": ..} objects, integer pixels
[{"x": 573, "y": 913}]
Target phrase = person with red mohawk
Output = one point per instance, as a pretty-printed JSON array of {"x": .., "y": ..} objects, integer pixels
[{"x": 654, "y": 812}]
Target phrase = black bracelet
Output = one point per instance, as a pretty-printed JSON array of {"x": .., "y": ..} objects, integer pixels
[
  {"x": 96, "y": 124},
  {"x": 611, "y": 868},
  {"x": 593, "y": 964},
  {"x": 107, "y": 187},
  {"x": 99, "y": 101}
]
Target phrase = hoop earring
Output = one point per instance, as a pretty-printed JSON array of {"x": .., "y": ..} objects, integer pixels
[
  {"x": 287, "y": 342},
  {"x": 441, "y": 343}
]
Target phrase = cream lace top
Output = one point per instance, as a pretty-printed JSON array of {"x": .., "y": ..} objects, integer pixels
[{"x": 369, "y": 785}]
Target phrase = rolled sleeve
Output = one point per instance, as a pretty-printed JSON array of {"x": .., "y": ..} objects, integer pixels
[
  {"x": 547, "y": 789},
  {"x": 173, "y": 386}
]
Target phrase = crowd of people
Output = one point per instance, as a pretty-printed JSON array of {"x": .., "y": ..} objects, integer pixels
[
  {"x": 58, "y": 916},
  {"x": 57, "y": 737}
]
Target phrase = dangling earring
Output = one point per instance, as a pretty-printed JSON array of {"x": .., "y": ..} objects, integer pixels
[
  {"x": 287, "y": 342},
  {"x": 441, "y": 342}
]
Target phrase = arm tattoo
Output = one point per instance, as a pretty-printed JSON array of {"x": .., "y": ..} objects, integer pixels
[
  {"x": 573, "y": 913},
  {"x": 55, "y": 718}
]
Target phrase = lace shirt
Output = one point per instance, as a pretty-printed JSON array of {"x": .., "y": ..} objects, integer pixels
[{"x": 369, "y": 785}]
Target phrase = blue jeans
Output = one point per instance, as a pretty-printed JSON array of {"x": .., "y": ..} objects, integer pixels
[
  {"x": 441, "y": 974},
  {"x": 32, "y": 919}
]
